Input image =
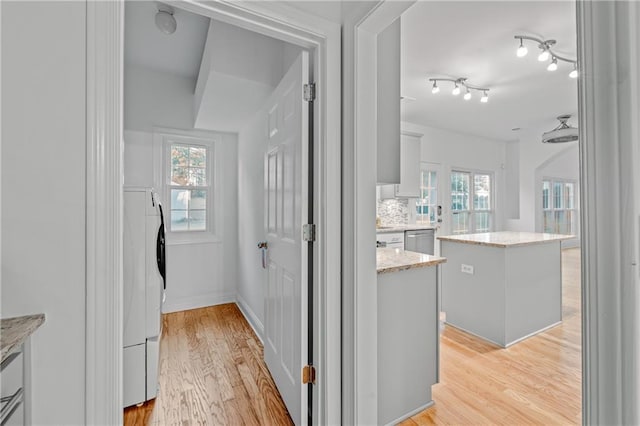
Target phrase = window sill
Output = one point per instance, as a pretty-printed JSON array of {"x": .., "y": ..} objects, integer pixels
[{"x": 176, "y": 239}]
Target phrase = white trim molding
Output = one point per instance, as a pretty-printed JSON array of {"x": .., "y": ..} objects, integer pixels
[
  {"x": 609, "y": 100},
  {"x": 104, "y": 192},
  {"x": 104, "y": 213}
]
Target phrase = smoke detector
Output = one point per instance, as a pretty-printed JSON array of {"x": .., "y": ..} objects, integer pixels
[
  {"x": 562, "y": 133},
  {"x": 165, "y": 20}
]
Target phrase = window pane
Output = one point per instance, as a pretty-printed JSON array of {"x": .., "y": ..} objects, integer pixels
[
  {"x": 549, "y": 223},
  {"x": 179, "y": 156},
  {"x": 179, "y": 176},
  {"x": 557, "y": 195},
  {"x": 434, "y": 179},
  {"x": 459, "y": 191},
  {"x": 460, "y": 223},
  {"x": 546, "y": 193},
  {"x": 483, "y": 222},
  {"x": 561, "y": 224},
  {"x": 179, "y": 199},
  {"x": 197, "y": 177},
  {"x": 569, "y": 195},
  {"x": 198, "y": 200},
  {"x": 569, "y": 228},
  {"x": 197, "y": 157},
  {"x": 197, "y": 220},
  {"x": 482, "y": 192},
  {"x": 179, "y": 220}
]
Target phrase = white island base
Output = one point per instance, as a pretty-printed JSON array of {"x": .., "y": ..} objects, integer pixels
[
  {"x": 502, "y": 286},
  {"x": 408, "y": 338}
]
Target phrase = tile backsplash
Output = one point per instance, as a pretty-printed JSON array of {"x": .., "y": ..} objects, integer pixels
[{"x": 393, "y": 211}]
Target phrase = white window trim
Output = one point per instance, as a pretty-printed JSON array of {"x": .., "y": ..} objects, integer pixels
[
  {"x": 575, "y": 228},
  {"x": 492, "y": 206},
  {"x": 162, "y": 140},
  {"x": 428, "y": 167}
]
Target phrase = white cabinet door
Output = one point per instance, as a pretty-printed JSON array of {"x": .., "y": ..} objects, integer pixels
[{"x": 409, "y": 186}]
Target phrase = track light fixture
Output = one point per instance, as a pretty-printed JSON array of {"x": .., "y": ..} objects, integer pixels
[
  {"x": 458, "y": 85},
  {"x": 546, "y": 53}
]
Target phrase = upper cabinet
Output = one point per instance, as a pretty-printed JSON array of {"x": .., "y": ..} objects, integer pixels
[
  {"x": 388, "y": 104},
  {"x": 409, "y": 186}
]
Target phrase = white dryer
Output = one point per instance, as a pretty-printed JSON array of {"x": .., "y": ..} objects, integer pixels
[{"x": 144, "y": 287}]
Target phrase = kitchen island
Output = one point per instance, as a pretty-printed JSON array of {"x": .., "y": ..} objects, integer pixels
[
  {"x": 408, "y": 338},
  {"x": 502, "y": 286}
]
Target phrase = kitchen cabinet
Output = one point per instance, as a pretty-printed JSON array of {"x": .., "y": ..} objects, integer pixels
[
  {"x": 409, "y": 186},
  {"x": 408, "y": 333},
  {"x": 388, "y": 104},
  {"x": 15, "y": 369}
]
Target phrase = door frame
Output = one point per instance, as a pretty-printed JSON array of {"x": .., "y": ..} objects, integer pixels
[
  {"x": 609, "y": 107},
  {"x": 104, "y": 121}
]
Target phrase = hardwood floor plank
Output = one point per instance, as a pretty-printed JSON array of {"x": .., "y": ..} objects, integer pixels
[
  {"x": 536, "y": 381},
  {"x": 212, "y": 372}
]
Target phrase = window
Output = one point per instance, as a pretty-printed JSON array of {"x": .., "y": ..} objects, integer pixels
[
  {"x": 184, "y": 173},
  {"x": 558, "y": 206},
  {"x": 189, "y": 188},
  {"x": 427, "y": 204},
  {"x": 471, "y": 202}
]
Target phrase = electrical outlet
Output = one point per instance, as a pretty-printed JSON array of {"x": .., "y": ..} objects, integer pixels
[{"x": 466, "y": 269}]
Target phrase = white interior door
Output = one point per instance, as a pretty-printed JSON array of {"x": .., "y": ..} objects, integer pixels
[{"x": 286, "y": 199}]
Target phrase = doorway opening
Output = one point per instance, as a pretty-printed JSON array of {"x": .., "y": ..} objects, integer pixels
[
  {"x": 217, "y": 124},
  {"x": 488, "y": 144}
]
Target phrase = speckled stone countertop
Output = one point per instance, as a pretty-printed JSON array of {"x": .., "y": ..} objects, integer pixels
[
  {"x": 401, "y": 228},
  {"x": 505, "y": 238},
  {"x": 14, "y": 331},
  {"x": 393, "y": 260}
]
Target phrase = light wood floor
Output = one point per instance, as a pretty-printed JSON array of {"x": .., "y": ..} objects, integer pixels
[
  {"x": 211, "y": 373},
  {"x": 536, "y": 381}
]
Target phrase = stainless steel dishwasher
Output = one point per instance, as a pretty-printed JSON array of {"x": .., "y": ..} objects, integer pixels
[{"x": 420, "y": 240}]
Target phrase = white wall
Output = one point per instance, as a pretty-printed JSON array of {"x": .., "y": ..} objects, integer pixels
[
  {"x": 460, "y": 151},
  {"x": 153, "y": 98},
  {"x": 198, "y": 274},
  {"x": 43, "y": 195},
  {"x": 533, "y": 157},
  {"x": 251, "y": 275}
]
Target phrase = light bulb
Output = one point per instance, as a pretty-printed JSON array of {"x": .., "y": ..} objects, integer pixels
[
  {"x": 435, "y": 88},
  {"x": 522, "y": 50},
  {"x": 553, "y": 65},
  {"x": 456, "y": 90},
  {"x": 467, "y": 95},
  {"x": 485, "y": 98},
  {"x": 543, "y": 56},
  {"x": 574, "y": 73}
]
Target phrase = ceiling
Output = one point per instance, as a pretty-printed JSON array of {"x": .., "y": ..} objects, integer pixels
[
  {"x": 179, "y": 53},
  {"x": 475, "y": 40}
]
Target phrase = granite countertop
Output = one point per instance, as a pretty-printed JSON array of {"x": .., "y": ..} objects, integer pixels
[
  {"x": 387, "y": 229},
  {"x": 393, "y": 260},
  {"x": 506, "y": 238},
  {"x": 14, "y": 331}
]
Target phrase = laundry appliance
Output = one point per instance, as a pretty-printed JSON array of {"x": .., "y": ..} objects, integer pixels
[{"x": 144, "y": 292}]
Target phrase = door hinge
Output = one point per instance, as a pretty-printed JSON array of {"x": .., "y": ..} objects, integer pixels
[
  {"x": 309, "y": 232},
  {"x": 310, "y": 92},
  {"x": 308, "y": 375}
]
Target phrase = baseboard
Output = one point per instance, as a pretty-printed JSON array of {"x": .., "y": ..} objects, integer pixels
[
  {"x": 251, "y": 317},
  {"x": 194, "y": 302},
  {"x": 411, "y": 413}
]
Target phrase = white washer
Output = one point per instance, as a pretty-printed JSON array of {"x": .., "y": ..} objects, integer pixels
[{"x": 144, "y": 285}]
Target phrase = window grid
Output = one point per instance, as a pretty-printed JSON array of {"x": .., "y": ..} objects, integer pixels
[
  {"x": 558, "y": 206},
  {"x": 470, "y": 217},
  {"x": 189, "y": 187},
  {"x": 427, "y": 204}
]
